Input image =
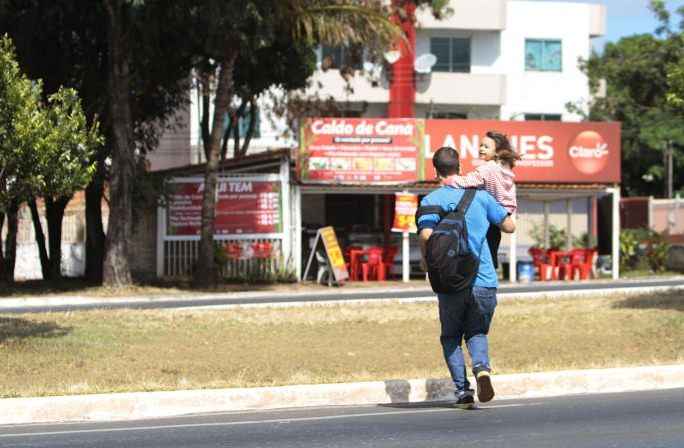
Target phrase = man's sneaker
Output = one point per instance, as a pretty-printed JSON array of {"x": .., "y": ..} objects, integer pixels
[
  {"x": 465, "y": 400},
  {"x": 485, "y": 391}
]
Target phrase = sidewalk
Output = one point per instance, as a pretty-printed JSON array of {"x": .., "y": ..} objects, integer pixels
[
  {"x": 143, "y": 405},
  {"x": 298, "y": 294}
]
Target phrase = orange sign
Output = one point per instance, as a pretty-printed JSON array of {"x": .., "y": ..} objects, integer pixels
[
  {"x": 360, "y": 150},
  {"x": 334, "y": 252},
  {"x": 550, "y": 151},
  {"x": 395, "y": 151},
  {"x": 405, "y": 206}
]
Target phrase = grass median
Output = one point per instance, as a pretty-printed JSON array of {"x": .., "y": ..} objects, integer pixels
[{"x": 116, "y": 351}]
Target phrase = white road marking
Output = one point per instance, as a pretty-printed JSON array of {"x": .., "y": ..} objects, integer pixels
[{"x": 246, "y": 422}]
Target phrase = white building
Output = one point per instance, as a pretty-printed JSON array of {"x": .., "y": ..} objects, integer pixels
[{"x": 496, "y": 59}]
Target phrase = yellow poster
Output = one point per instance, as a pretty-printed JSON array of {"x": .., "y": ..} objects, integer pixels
[{"x": 334, "y": 252}]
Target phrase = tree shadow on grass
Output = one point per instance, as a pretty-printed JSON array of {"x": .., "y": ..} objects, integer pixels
[
  {"x": 673, "y": 300},
  {"x": 12, "y": 328}
]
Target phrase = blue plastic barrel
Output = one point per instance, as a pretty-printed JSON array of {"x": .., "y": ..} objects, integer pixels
[{"x": 525, "y": 271}]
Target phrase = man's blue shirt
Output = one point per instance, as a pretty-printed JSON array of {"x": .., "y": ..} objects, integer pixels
[{"x": 483, "y": 211}]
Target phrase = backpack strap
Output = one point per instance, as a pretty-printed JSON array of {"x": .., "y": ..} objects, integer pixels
[
  {"x": 465, "y": 201},
  {"x": 430, "y": 210}
]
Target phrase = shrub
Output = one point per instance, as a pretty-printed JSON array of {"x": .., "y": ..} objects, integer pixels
[
  {"x": 642, "y": 249},
  {"x": 557, "y": 236}
]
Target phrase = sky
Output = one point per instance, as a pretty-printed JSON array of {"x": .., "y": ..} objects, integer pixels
[{"x": 627, "y": 17}]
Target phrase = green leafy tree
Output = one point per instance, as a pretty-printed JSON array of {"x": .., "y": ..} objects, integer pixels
[
  {"x": 228, "y": 29},
  {"x": 248, "y": 26},
  {"x": 638, "y": 71},
  {"x": 20, "y": 120},
  {"x": 66, "y": 147},
  {"x": 66, "y": 43}
]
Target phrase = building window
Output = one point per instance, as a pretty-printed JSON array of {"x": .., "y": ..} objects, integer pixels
[
  {"x": 453, "y": 54},
  {"x": 542, "y": 117},
  {"x": 543, "y": 55},
  {"x": 338, "y": 57},
  {"x": 450, "y": 115}
]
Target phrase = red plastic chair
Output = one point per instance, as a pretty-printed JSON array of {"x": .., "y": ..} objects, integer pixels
[
  {"x": 354, "y": 254},
  {"x": 374, "y": 266},
  {"x": 388, "y": 255},
  {"x": 563, "y": 263},
  {"x": 541, "y": 263},
  {"x": 583, "y": 263}
]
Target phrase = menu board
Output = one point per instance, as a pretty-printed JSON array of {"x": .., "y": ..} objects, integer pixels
[
  {"x": 357, "y": 151},
  {"x": 243, "y": 206}
]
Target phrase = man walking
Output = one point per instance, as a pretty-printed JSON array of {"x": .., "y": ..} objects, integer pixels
[{"x": 466, "y": 314}]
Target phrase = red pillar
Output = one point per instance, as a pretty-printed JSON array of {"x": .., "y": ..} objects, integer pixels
[{"x": 402, "y": 85}]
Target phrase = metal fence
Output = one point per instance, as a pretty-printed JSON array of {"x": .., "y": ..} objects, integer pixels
[{"x": 245, "y": 258}]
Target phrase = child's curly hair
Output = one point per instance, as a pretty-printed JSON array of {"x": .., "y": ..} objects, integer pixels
[{"x": 504, "y": 151}]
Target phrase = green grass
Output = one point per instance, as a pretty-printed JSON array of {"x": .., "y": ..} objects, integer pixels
[{"x": 114, "y": 351}]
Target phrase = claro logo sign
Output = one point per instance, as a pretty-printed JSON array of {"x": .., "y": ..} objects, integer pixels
[{"x": 588, "y": 152}]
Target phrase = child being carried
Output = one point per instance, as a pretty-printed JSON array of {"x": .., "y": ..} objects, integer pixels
[{"x": 496, "y": 176}]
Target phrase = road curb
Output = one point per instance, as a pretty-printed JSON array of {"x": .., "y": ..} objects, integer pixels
[{"x": 143, "y": 405}]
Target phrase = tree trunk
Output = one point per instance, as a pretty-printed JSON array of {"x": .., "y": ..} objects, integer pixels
[
  {"x": 205, "y": 87},
  {"x": 251, "y": 128},
  {"x": 226, "y": 138},
  {"x": 95, "y": 236},
  {"x": 116, "y": 269},
  {"x": 3, "y": 273},
  {"x": 40, "y": 239},
  {"x": 236, "y": 136},
  {"x": 11, "y": 241},
  {"x": 206, "y": 274},
  {"x": 233, "y": 128},
  {"x": 54, "y": 213}
]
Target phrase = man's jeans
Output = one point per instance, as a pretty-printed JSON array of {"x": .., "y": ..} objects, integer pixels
[{"x": 468, "y": 315}]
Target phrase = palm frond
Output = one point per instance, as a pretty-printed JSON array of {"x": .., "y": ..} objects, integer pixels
[{"x": 344, "y": 22}]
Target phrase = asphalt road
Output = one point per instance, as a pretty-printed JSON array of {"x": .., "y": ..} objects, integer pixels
[
  {"x": 334, "y": 295},
  {"x": 628, "y": 420}
]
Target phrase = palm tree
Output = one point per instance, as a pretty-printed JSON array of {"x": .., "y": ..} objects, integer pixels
[{"x": 336, "y": 22}]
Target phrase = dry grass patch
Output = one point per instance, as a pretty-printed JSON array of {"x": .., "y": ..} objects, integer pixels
[{"x": 109, "y": 351}]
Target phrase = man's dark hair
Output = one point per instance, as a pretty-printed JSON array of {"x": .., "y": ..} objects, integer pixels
[{"x": 446, "y": 161}]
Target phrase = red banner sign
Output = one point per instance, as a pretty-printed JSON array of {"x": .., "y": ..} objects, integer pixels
[
  {"x": 243, "y": 206},
  {"x": 550, "y": 151},
  {"x": 405, "y": 206},
  {"x": 360, "y": 151},
  {"x": 377, "y": 150}
]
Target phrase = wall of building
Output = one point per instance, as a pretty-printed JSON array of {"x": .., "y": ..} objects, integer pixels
[
  {"x": 173, "y": 150},
  {"x": 531, "y": 215},
  {"x": 142, "y": 245},
  {"x": 545, "y": 92}
]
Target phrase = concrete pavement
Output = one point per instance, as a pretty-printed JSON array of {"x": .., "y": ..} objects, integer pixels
[
  {"x": 142, "y": 405},
  {"x": 394, "y": 292}
]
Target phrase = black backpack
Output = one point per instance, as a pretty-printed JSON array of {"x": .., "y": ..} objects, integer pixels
[{"x": 452, "y": 266}]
